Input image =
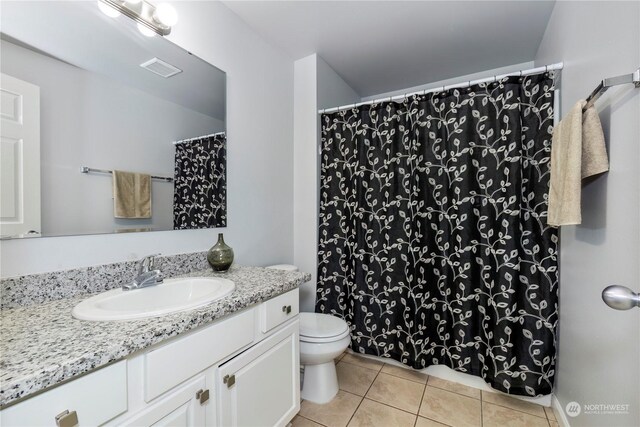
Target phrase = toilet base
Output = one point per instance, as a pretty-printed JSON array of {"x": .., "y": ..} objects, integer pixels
[{"x": 320, "y": 382}]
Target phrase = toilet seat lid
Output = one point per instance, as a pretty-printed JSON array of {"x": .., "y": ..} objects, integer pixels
[
  {"x": 316, "y": 325},
  {"x": 283, "y": 267}
]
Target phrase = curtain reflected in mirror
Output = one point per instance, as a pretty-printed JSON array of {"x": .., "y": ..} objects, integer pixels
[{"x": 200, "y": 190}]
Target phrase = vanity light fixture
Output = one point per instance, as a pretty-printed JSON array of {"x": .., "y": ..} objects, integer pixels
[
  {"x": 111, "y": 12},
  {"x": 151, "y": 19}
]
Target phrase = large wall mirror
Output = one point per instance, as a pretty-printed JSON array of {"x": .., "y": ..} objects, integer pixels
[{"x": 83, "y": 95}]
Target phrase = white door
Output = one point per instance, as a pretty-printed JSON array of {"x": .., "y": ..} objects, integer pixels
[
  {"x": 19, "y": 157},
  {"x": 261, "y": 386},
  {"x": 182, "y": 407}
]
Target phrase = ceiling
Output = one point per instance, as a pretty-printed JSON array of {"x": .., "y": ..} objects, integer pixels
[
  {"x": 79, "y": 34},
  {"x": 382, "y": 46}
]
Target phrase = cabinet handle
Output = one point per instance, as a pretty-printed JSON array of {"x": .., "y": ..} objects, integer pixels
[
  {"x": 286, "y": 309},
  {"x": 202, "y": 396},
  {"x": 67, "y": 419},
  {"x": 229, "y": 380}
]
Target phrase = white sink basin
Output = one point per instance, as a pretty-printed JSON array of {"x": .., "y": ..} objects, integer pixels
[{"x": 169, "y": 297}]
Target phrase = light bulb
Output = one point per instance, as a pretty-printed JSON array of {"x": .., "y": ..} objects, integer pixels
[
  {"x": 108, "y": 10},
  {"x": 166, "y": 15},
  {"x": 146, "y": 31}
]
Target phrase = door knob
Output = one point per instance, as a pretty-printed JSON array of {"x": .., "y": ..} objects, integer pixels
[{"x": 620, "y": 297}]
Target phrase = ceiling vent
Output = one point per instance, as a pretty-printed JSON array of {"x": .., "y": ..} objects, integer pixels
[{"x": 161, "y": 68}]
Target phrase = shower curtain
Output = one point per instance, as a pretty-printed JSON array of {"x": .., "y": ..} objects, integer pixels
[
  {"x": 433, "y": 241},
  {"x": 200, "y": 188}
]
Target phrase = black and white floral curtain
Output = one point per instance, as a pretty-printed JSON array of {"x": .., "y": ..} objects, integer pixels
[
  {"x": 433, "y": 239},
  {"x": 200, "y": 188}
]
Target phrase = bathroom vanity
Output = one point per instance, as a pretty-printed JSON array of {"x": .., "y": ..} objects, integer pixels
[{"x": 232, "y": 362}]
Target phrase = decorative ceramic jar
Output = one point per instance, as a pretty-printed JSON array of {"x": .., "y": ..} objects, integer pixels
[{"x": 220, "y": 256}]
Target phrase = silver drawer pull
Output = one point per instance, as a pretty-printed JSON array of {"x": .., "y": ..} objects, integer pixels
[
  {"x": 202, "y": 396},
  {"x": 229, "y": 380},
  {"x": 286, "y": 309},
  {"x": 67, "y": 419}
]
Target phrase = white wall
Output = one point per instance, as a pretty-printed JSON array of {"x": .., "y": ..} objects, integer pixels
[
  {"x": 599, "y": 348},
  {"x": 316, "y": 85},
  {"x": 332, "y": 89},
  {"x": 90, "y": 120},
  {"x": 305, "y": 175},
  {"x": 260, "y": 159}
]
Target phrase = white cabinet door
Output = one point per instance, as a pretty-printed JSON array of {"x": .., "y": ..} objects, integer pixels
[
  {"x": 180, "y": 407},
  {"x": 19, "y": 157},
  {"x": 261, "y": 386}
]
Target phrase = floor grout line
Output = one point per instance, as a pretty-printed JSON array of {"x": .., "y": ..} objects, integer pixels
[
  {"x": 422, "y": 400},
  {"x": 391, "y": 406},
  {"x": 359, "y": 366},
  {"x": 481, "y": 411},
  {"x": 455, "y": 392},
  {"x": 420, "y": 407},
  {"x": 404, "y": 378},
  {"x": 309, "y": 419},
  {"x": 364, "y": 367},
  {"x": 517, "y": 410},
  {"x": 363, "y": 397}
]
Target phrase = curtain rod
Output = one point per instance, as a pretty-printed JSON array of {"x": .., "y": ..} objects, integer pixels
[
  {"x": 557, "y": 66},
  {"x": 198, "y": 137}
]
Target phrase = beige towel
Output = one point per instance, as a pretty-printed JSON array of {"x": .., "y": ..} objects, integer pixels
[
  {"x": 577, "y": 151},
  {"x": 131, "y": 195}
]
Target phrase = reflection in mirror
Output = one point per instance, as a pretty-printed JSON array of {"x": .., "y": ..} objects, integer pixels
[{"x": 105, "y": 129}]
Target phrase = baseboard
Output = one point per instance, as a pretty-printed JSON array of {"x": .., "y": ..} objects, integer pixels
[
  {"x": 446, "y": 373},
  {"x": 561, "y": 417}
]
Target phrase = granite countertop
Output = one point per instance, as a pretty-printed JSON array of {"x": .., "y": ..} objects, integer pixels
[{"x": 43, "y": 345}]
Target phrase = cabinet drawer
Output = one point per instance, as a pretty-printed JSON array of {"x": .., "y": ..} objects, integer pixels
[
  {"x": 278, "y": 310},
  {"x": 96, "y": 398},
  {"x": 175, "y": 362}
]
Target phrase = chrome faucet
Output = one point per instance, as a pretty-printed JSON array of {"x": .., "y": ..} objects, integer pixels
[{"x": 147, "y": 275}]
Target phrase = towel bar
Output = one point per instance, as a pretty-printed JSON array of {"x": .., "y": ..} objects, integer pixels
[
  {"x": 612, "y": 81},
  {"x": 84, "y": 169}
]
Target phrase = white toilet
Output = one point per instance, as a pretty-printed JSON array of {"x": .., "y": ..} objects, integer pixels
[{"x": 322, "y": 339}]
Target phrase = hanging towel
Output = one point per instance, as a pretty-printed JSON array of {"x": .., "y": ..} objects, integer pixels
[
  {"x": 577, "y": 151},
  {"x": 131, "y": 195}
]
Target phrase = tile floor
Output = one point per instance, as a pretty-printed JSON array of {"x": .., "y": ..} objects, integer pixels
[{"x": 374, "y": 394}]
